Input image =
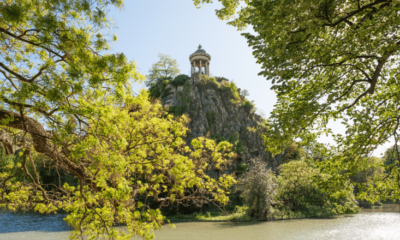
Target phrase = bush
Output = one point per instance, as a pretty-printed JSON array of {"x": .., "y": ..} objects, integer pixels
[
  {"x": 176, "y": 110},
  {"x": 221, "y": 79},
  {"x": 180, "y": 80},
  {"x": 158, "y": 88},
  {"x": 258, "y": 189},
  {"x": 231, "y": 88},
  {"x": 249, "y": 106},
  {"x": 242, "y": 167},
  {"x": 218, "y": 138},
  {"x": 238, "y": 146},
  {"x": 208, "y": 82},
  {"x": 298, "y": 190}
]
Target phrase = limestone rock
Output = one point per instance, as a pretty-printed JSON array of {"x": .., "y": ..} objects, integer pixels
[{"x": 213, "y": 113}]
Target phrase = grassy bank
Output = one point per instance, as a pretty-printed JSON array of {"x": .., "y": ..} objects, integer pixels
[{"x": 240, "y": 214}]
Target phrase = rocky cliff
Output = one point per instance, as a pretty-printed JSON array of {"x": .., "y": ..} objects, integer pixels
[{"x": 217, "y": 110}]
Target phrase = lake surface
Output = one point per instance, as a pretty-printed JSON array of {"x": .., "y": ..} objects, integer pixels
[{"x": 376, "y": 223}]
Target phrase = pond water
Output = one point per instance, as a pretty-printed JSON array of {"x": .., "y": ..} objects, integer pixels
[{"x": 376, "y": 223}]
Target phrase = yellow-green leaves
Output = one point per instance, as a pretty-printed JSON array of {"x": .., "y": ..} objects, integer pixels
[
  {"x": 135, "y": 155},
  {"x": 70, "y": 106}
]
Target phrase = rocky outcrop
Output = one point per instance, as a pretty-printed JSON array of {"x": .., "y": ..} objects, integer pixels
[{"x": 215, "y": 113}]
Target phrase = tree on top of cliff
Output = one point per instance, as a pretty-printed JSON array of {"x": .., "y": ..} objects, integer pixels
[
  {"x": 165, "y": 67},
  {"x": 328, "y": 60}
]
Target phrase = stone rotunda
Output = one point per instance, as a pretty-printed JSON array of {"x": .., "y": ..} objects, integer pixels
[{"x": 201, "y": 60}]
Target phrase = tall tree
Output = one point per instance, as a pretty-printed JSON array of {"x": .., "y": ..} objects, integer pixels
[
  {"x": 64, "y": 97},
  {"x": 327, "y": 60},
  {"x": 166, "y": 67}
]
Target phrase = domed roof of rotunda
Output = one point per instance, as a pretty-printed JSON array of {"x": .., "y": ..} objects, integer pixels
[{"x": 200, "y": 52}]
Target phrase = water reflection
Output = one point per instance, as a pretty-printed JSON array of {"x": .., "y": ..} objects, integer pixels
[
  {"x": 19, "y": 222},
  {"x": 384, "y": 208},
  {"x": 365, "y": 226},
  {"x": 369, "y": 225}
]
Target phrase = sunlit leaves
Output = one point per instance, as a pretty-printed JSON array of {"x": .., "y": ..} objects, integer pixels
[
  {"x": 125, "y": 153},
  {"x": 327, "y": 60}
]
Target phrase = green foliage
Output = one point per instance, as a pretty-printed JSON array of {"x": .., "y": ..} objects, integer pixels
[
  {"x": 211, "y": 119},
  {"x": 392, "y": 157},
  {"x": 258, "y": 189},
  {"x": 208, "y": 82},
  {"x": 374, "y": 167},
  {"x": 232, "y": 89},
  {"x": 328, "y": 60},
  {"x": 158, "y": 88},
  {"x": 242, "y": 167},
  {"x": 218, "y": 138},
  {"x": 8, "y": 164},
  {"x": 292, "y": 152},
  {"x": 238, "y": 146},
  {"x": 223, "y": 85},
  {"x": 166, "y": 67},
  {"x": 249, "y": 106},
  {"x": 184, "y": 97},
  {"x": 221, "y": 79},
  {"x": 263, "y": 127},
  {"x": 299, "y": 190},
  {"x": 375, "y": 171},
  {"x": 180, "y": 80},
  {"x": 107, "y": 154},
  {"x": 176, "y": 110}
]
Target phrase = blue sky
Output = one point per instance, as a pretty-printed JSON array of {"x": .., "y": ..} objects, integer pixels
[{"x": 176, "y": 27}]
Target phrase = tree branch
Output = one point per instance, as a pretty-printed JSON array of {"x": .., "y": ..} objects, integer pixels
[
  {"x": 41, "y": 143},
  {"x": 355, "y": 12},
  {"x": 379, "y": 68},
  {"x": 32, "y": 43}
]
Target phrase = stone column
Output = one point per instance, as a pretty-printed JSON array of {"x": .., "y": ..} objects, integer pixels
[
  {"x": 200, "y": 67},
  {"x": 208, "y": 69},
  {"x": 193, "y": 67}
]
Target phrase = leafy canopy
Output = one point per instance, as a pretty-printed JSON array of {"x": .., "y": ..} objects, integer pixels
[
  {"x": 166, "y": 67},
  {"x": 68, "y": 101},
  {"x": 327, "y": 60},
  {"x": 299, "y": 190}
]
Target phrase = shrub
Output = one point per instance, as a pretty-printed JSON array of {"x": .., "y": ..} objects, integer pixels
[
  {"x": 231, "y": 88},
  {"x": 176, "y": 110},
  {"x": 258, "y": 189},
  {"x": 158, "y": 88},
  {"x": 206, "y": 80},
  {"x": 180, "y": 80},
  {"x": 237, "y": 143},
  {"x": 218, "y": 138},
  {"x": 206, "y": 83},
  {"x": 242, "y": 167},
  {"x": 249, "y": 106},
  {"x": 221, "y": 79},
  {"x": 298, "y": 190}
]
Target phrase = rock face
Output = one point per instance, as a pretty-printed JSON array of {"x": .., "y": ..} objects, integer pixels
[{"x": 213, "y": 114}]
